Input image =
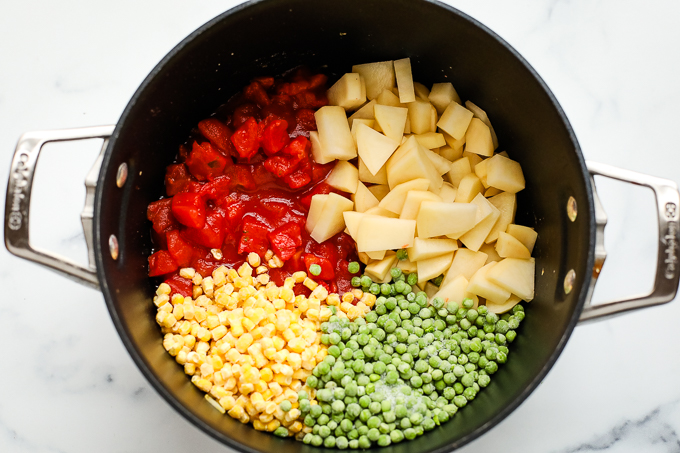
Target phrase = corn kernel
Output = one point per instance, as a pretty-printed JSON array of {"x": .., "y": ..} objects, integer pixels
[
  {"x": 348, "y": 297},
  {"x": 272, "y": 425},
  {"x": 309, "y": 283}
]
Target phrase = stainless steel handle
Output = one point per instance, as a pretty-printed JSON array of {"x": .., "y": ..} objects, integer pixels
[
  {"x": 18, "y": 201},
  {"x": 667, "y": 268}
]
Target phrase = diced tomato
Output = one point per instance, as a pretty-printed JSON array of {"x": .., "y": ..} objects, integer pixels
[
  {"x": 266, "y": 82},
  {"x": 180, "y": 285},
  {"x": 179, "y": 249},
  {"x": 344, "y": 245},
  {"x": 246, "y": 139},
  {"x": 241, "y": 177},
  {"x": 317, "y": 81},
  {"x": 255, "y": 92},
  {"x": 218, "y": 133},
  {"x": 275, "y": 136},
  {"x": 321, "y": 171},
  {"x": 212, "y": 233},
  {"x": 217, "y": 188},
  {"x": 285, "y": 240},
  {"x": 160, "y": 214},
  {"x": 310, "y": 100},
  {"x": 254, "y": 237},
  {"x": 305, "y": 119},
  {"x": 327, "y": 272},
  {"x": 297, "y": 179},
  {"x": 161, "y": 263},
  {"x": 243, "y": 113},
  {"x": 177, "y": 178},
  {"x": 189, "y": 209},
  {"x": 293, "y": 88},
  {"x": 205, "y": 162},
  {"x": 319, "y": 189},
  {"x": 234, "y": 210}
]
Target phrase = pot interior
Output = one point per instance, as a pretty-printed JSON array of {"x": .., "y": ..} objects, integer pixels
[{"x": 271, "y": 37}]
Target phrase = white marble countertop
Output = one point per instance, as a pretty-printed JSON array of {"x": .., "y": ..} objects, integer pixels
[{"x": 68, "y": 385}]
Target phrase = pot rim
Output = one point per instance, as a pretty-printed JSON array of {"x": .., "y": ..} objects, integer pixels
[{"x": 100, "y": 243}]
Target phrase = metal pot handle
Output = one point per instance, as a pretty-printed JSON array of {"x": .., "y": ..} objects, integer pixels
[
  {"x": 667, "y": 267},
  {"x": 18, "y": 201}
]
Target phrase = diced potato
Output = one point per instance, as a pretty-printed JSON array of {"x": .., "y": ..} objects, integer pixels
[
  {"x": 442, "y": 165},
  {"x": 442, "y": 95},
  {"x": 365, "y": 112},
  {"x": 394, "y": 201},
  {"x": 430, "y": 290},
  {"x": 424, "y": 249},
  {"x": 364, "y": 258},
  {"x": 468, "y": 188},
  {"x": 509, "y": 246},
  {"x": 378, "y": 76},
  {"x": 431, "y": 140},
  {"x": 347, "y": 92},
  {"x": 388, "y": 98},
  {"x": 402, "y": 71},
  {"x": 475, "y": 159},
  {"x": 478, "y": 138},
  {"x": 433, "y": 118},
  {"x": 382, "y": 233},
  {"x": 365, "y": 174},
  {"x": 455, "y": 144},
  {"x": 523, "y": 234},
  {"x": 447, "y": 192},
  {"x": 480, "y": 171},
  {"x": 410, "y": 162},
  {"x": 507, "y": 205},
  {"x": 456, "y": 291},
  {"x": 466, "y": 263},
  {"x": 455, "y": 120},
  {"x": 376, "y": 255},
  {"x": 449, "y": 153},
  {"x": 516, "y": 276},
  {"x": 331, "y": 220},
  {"x": 474, "y": 238},
  {"x": 459, "y": 169},
  {"x": 433, "y": 267},
  {"x": 407, "y": 266},
  {"x": 481, "y": 114},
  {"x": 504, "y": 174},
  {"x": 391, "y": 120},
  {"x": 491, "y": 191},
  {"x": 334, "y": 133},
  {"x": 505, "y": 306},
  {"x": 344, "y": 176},
  {"x": 422, "y": 92},
  {"x": 379, "y": 190},
  {"x": 355, "y": 124},
  {"x": 352, "y": 220},
  {"x": 379, "y": 270},
  {"x": 363, "y": 198},
  {"x": 484, "y": 208},
  {"x": 481, "y": 285},
  {"x": 315, "y": 209},
  {"x": 377, "y": 210},
  {"x": 374, "y": 148},
  {"x": 412, "y": 203},
  {"x": 420, "y": 115},
  {"x": 490, "y": 250},
  {"x": 436, "y": 218},
  {"x": 318, "y": 152}
]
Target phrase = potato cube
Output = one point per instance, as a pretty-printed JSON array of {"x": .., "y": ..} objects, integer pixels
[
  {"x": 424, "y": 249},
  {"x": 388, "y": 98},
  {"x": 407, "y": 266},
  {"x": 436, "y": 218},
  {"x": 459, "y": 169},
  {"x": 456, "y": 291},
  {"x": 478, "y": 138},
  {"x": 523, "y": 234},
  {"x": 402, "y": 71},
  {"x": 315, "y": 209},
  {"x": 378, "y": 255},
  {"x": 466, "y": 263},
  {"x": 433, "y": 267},
  {"x": 335, "y": 136},
  {"x": 516, "y": 276},
  {"x": 379, "y": 190},
  {"x": 347, "y": 92},
  {"x": 420, "y": 115},
  {"x": 481, "y": 285},
  {"x": 456, "y": 144},
  {"x": 391, "y": 120},
  {"x": 377, "y": 210},
  {"x": 355, "y": 124},
  {"x": 352, "y": 220},
  {"x": 507, "y": 205},
  {"x": 509, "y": 246},
  {"x": 344, "y": 176},
  {"x": 374, "y": 148},
  {"x": 379, "y": 270},
  {"x": 394, "y": 201},
  {"x": 504, "y": 174},
  {"x": 410, "y": 162},
  {"x": 331, "y": 221},
  {"x": 447, "y": 192},
  {"x": 442, "y": 95},
  {"x": 365, "y": 174},
  {"x": 468, "y": 188},
  {"x": 363, "y": 198},
  {"x": 412, "y": 203},
  {"x": 442, "y": 165},
  {"x": 455, "y": 120},
  {"x": 490, "y": 250},
  {"x": 365, "y": 112},
  {"x": 382, "y": 233},
  {"x": 505, "y": 306},
  {"x": 431, "y": 140},
  {"x": 474, "y": 238},
  {"x": 450, "y": 154},
  {"x": 475, "y": 159},
  {"x": 422, "y": 92},
  {"x": 480, "y": 171},
  {"x": 378, "y": 76},
  {"x": 491, "y": 191},
  {"x": 481, "y": 114}
]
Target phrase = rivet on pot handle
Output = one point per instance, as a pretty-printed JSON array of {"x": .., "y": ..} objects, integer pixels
[
  {"x": 667, "y": 267},
  {"x": 18, "y": 201}
]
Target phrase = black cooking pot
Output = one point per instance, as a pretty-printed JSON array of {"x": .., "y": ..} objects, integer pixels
[{"x": 271, "y": 37}]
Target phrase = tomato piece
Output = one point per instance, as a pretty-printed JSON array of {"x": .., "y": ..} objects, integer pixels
[
  {"x": 160, "y": 214},
  {"x": 255, "y": 92},
  {"x": 179, "y": 249},
  {"x": 305, "y": 119},
  {"x": 180, "y": 285},
  {"x": 275, "y": 136},
  {"x": 321, "y": 171},
  {"x": 327, "y": 272},
  {"x": 319, "y": 189},
  {"x": 246, "y": 139},
  {"x": 285, "y": 240},
  {"x": 266, "y": 82},
  {"x": 205, "y": 162},
  {"x": 241, "y": 176},
  {"x": 212, "y": 233},
  {"x": 254, "y": 237},
  {"x": 217, "y": 132},
  {"x": 243, "y": 113},
  {"x": 161, "y": 263},
  {"x": 177, "y": 178},
  {"x": 189, "y": 209},
  {"x": 217, "y": 188},
  {"x": 310, "y": 100}
]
